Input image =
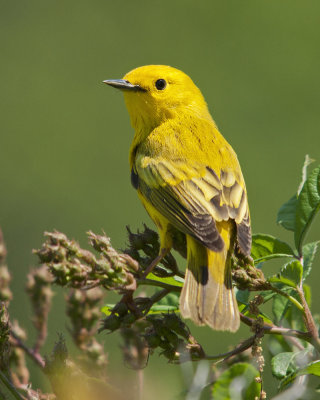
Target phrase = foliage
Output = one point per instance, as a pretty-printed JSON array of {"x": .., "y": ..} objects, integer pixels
[{"x": 150, "y": 323}]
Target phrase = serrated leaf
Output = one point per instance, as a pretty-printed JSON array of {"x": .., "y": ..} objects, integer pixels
[
  {"x": 293, "y": 272},
  {"x": 307, "y": 162},
  {"x": 280, "y": 306},
  {"x": 266, "y": 247},
  {"x": 287, "y": 214},
  {"x": 308, "y": 205},
  {"x": 290, "y": 274},
  {"x": 238, "y": 381},
  {"x": 309, "y": 251},
  {"x": 280, "y": 364}
]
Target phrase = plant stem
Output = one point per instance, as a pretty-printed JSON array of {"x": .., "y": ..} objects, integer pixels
[
  {"x": 9, "y": 386},
  {"x": 239, "y": 349},
  {"x": 276, "y": 330},
  {"x": 36, "y": 357},
  {"x": 290, "y": 298},
  {"x": 223, "y": 356},
  {"x": 155, "y": 298},
  {"x": 309, "y": 321}
]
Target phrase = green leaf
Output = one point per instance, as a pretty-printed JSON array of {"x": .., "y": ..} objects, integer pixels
[
  {"x": 267, "y": 295},
  {"x": 307, "y": 293},
  {"x": 287, "y": 214},
  {"x": 238, "y": 381},
  {"x": 308, "y": 205},
  {"x": 287, "y": 380},
  {"x": 242, "y": 296},
  {"x": 266, "y": 247},
  {"x": 309, "y": 251},
  {"x": 295, "y": 317},
  {"x": 307, "y": 162},
  {"x": 106, "y": 309},
  {"x": 310, "y": 369},
  {"x": 280, "y": 306},
  {"x": 280, "y": 364},
  {"x": 159, "y": 309},
  {"x": 293, "y": 272},
  {"x": 171, "y": 280},
  {"x": 290, "y": 274},
  {"x": 170, "y": 303},
  {"x": 244, "y": 309}
]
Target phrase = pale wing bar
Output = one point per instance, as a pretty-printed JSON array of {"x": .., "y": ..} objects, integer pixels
[{"x": 193, "y": 205}]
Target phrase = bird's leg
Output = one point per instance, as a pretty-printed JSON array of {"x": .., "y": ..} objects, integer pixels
[{"x": 162, "y": 254}]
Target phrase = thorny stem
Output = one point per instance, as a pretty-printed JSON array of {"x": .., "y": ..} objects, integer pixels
[{"x": 9, "y": 386}]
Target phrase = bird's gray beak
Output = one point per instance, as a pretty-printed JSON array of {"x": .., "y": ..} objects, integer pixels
[{"x": 124, "y": 85}]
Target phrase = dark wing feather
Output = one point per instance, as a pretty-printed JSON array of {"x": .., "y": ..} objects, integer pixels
[
  {"x": 194, "y": 199},
  {"x": 201, "y": 226}
]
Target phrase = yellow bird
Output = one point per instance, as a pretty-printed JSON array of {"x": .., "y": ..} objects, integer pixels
[{"x": 189, "y": 180}]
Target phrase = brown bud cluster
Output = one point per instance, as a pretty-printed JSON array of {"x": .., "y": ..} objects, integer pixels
[
  {"x": 73, "y": 266},
  {"x": 83, "y": 309},
  {"x": 38, "y": 287},
  {"x": 168, "y": 332},
  {"x": 246, "y": 275},
  {"x": 5, "y": 277},
  {"x": 144, "y": 248}
]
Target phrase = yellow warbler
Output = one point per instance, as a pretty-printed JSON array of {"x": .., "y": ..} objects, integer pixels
[{"x": 189, "y": 180}]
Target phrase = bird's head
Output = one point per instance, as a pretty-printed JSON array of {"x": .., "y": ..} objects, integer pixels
[{"x": 155, "y": 93}]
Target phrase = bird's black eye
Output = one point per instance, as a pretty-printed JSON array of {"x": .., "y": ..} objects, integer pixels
[{"x": 161, "y": 84}]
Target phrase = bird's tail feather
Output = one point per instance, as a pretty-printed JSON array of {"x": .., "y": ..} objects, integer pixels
[{"x": 207, "y": 296}]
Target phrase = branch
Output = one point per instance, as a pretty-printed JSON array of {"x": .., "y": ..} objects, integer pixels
[
  {"x": 276, "y": 330},
  {"x": 237, "y": 350},
  {"x": 286, "y": 295},
  {"x": 34, "y": 355},
  {"x": 9, "y": 386},
  {"x": 309, "y": 321}
]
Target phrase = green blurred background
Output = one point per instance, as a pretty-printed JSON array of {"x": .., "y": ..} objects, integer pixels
[{"x": 65, "y": 136}]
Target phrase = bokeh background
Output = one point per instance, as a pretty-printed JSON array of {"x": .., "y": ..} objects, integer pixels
[{"x": 65, "y": 136}]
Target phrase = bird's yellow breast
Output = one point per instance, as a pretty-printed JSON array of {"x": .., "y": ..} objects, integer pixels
[{"x": 191, "y": 144}]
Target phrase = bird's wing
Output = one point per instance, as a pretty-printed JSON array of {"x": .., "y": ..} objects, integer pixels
[{"x": 194, "y": 198}]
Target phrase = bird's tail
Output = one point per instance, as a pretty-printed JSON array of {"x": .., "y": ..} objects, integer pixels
[{"x": 207, "y": 296}]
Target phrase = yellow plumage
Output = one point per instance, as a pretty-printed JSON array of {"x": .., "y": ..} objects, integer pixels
[{"x": 189, "y": 179}]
